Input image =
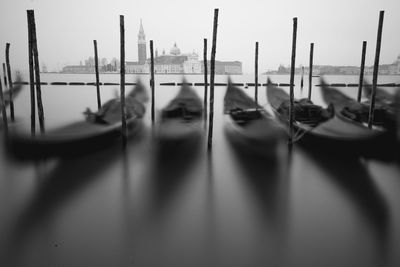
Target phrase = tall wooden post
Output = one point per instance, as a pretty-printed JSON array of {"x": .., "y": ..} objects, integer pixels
[
  {"x": 3, "y": 109},
  {"x": 96, "y": 63},
  {"x": 310, "y": 71},
  {"x": 122, "y": 62},
  {"x": 212, "y": 69},
  {"x": 32, "y": 23},
  {"x": 31, "y": 78},
  {"x": 376, "y": 69},
  {"x": 10, "y": 82},
  {"x": 152, "y": 83},
  {"x": 205, "y": 80},
  {"x": 361, "y": 80},
  {"x": 292, "y": 68},
  {"x": 256, "y": 76},
  {"x": 5, "y": 75},
  {"x": 302, "y": 78}
]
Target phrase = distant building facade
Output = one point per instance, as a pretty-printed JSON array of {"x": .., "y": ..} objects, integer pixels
[
  {"x": 175, "y": 62},
  {"x": 398, "y": 64},
  {"x": 192, "y": 64},
  {"x": 136, "y": 67},
  {"x": 89, "y": 66},
  {"x": 384, "y": 69},
  {"x": 78, "y": 69},
  {"x": 228, "y": 67},
  {"x": 225, "y": 67}
]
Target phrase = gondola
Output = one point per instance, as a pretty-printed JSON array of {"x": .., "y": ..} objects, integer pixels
[
  {"x": 386, "y": 102},
  {"x": 98, "y": 130},
  {"x": 320, "y": 128},
  {"x": 381, "y": 97},
  {"x": 248, "y": 126},
  {"x": 351, "y": 110},
  {"x": 182, "y": 119}
]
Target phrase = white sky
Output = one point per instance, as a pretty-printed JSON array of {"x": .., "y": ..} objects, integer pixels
[{"x": 66, "y": 29}]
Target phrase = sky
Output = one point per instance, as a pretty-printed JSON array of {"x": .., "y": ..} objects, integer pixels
[{"x": 66, "y": 29}]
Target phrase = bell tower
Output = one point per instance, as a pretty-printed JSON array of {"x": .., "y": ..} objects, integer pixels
[{"x": 141, "y": 45}]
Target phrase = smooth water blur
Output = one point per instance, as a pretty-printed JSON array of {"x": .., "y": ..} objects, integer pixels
[{"x": 185, "y": 208}]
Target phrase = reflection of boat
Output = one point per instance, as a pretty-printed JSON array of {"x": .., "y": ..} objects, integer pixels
[
  {"x": 98, "y": 130},
  {"x": 248, "y": 124},
  {"x": 354, "y": 111},
  {"x": 351, "y": 177},
  {"x": 182, "y": 118},
  {"x": 59, "y": 184},
  {"x": 322, "y": 127}
]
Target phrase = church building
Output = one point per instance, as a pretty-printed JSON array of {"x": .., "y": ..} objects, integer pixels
[{"x": 175, "y": 62}]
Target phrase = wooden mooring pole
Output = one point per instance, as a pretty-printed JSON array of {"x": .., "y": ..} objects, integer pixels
[
  {"x": 205, "y": 81},
  {"x": 292, "y": 68},
  {"x": 122, "y": 74},
  {"x": 152, "y": 83},
  {"x": 256, "y": 76},
  {"x": 310, "y": 73},
  {"x": 32, "y": 26},
  {"x": 31, "y": 78},
  {"x": 10, "y": 82},
  {"x": 5, "y": 75},
  {"x": 302, "y": 78},
  {"x": 361, "y": 79},
  {"x": 376, "y": 69},
  {"x": 96, "y": 63},
  {"x": 212, "y": 77},
  {"x": 3, "y": 109}
]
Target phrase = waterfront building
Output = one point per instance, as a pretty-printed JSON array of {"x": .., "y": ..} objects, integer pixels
[
  {"x": 87, "y": 68},
  {"x": 349, "y": 70},
  {"x": 224, "y": 67},
  {"x": 384, "y": 69},
  {"x": 78, "y": 69},
  {"x": 136, "y": 67},
  {"x": 169, "y": 64},
  {"x": 175, "y": 62},
  {"x": 192, "y": 64}
]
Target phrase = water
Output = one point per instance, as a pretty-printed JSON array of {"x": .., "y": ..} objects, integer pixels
[{"x": 120, "y": 209}]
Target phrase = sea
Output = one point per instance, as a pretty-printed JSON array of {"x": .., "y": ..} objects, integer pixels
[{"x": 119, "y": 207}]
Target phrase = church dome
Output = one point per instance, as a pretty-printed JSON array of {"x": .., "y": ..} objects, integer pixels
[{"x": 175, "y": 50}]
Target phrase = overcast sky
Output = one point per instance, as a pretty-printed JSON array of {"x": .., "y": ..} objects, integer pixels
[{"x": 66, "y": 29}]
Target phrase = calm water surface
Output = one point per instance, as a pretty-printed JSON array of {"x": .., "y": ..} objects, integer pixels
[{"x": 118, "y": 208}]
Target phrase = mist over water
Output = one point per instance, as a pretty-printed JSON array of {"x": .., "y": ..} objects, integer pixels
[{"x": 184, "y": 207}]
